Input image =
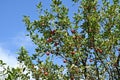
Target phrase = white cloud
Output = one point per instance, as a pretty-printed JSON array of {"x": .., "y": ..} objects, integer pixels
[
  {"x": 13, "y": 45},
  {"x": 22, "y": 40},
  {"x": 8, "y": 57}
]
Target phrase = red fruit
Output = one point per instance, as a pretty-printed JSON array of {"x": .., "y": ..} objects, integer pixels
[
  {"x": 100, "y": 51},
  {"x": 91, "y": 60},
  {"x": 64, "y": 60},
  {"x": 53, "y": 32},
  {"x": 73, "y": 52},
  {"x": 97, "y": 50},
  {"x": 47, "y": 53},
  {"x": 56, "y": 43},
  {"x": 73, "y": 31},
  {"x": 45, "y": 73},
  {"x": 49, "y": 40}
]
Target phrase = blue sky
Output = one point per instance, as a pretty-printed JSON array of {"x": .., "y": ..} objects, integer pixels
[
  {"x": 12, "y": 29},
  {"x": 11, "y": 16}
]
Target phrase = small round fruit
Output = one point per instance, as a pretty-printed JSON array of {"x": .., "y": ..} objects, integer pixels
[
  {"x": 56, "y": 43},
  {"x": 97, "y": 50},
  {"x": 64, "y": 60},
  {"x": 91, "y": 60},
  {"x": 73, "y": 31},
  {"x": 100, "y": 51},
  {"x": 49, "y": 40},
  {"x": 53, "y": 32},
  {"x": 47, "y": 53},
  {"x": 45, "y": 73},
  {"x": 73, "y": 52}
]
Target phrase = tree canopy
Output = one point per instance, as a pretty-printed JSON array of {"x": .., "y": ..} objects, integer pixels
[{"x": 88, "y": 43}]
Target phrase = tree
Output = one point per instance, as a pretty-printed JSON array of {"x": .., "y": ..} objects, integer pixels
[{"x": 88, "y": 43}]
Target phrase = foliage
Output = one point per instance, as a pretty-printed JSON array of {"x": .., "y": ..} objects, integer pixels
[{"x": 88, "y": 43}]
